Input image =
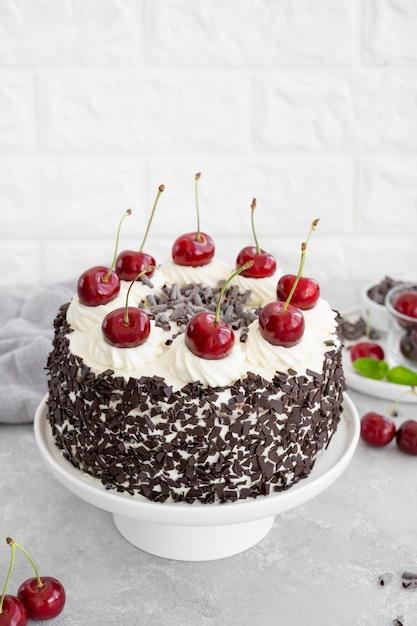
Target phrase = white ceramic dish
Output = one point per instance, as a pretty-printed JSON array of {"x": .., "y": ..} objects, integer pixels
[
  {"x": 199, "y": 532},
  {"x": 378, "y": 314},
  {"x": 375, "y": 388}
]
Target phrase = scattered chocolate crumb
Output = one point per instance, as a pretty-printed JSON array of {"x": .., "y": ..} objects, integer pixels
[
  {"x": 398, "y": 621},
  {"x": 412, "y": 583},
  {"x": 385, "y": 578}
]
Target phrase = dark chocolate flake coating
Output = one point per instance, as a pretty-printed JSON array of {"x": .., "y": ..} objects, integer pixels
[{"x": 221, "y": 444}]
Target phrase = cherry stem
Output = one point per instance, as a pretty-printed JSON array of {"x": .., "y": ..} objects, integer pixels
[
  {"x": 105, "y": 278},
  {"x": 13, "y": 544},
  {"x": 253, "y": 207},
  {"x": 244, "y": 267},
  {"x": 9, "y": 574},
  {"x": 197, "y": 178},
  {"x": 301, "y": 267},
  {"x": 160, "y": 190},
  {"x": 398, "y": 400},
  {"x": 126, "y": 320}
]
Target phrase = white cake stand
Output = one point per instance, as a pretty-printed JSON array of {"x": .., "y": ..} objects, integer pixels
[{"x": 199, "y": 532}]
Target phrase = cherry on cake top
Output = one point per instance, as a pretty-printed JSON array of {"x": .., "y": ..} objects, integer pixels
[
  {"x": 207, "y": 336},
  {"x": 128, "y": 326},
  {"x": 130, "y": 263},
  {"x": 193, "y": 249},
  {"x": 281, "y": 322},
  {"x": 100, "y": 284},
  {"x": 305, "y": 296},
  {"x": 307, "y": 290},
  {"x": 264, "y": 264}
]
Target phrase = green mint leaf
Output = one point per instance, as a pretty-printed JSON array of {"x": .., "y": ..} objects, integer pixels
[
  {"x": 402, "y": 376},
  {"x": 371, "y": 368}
]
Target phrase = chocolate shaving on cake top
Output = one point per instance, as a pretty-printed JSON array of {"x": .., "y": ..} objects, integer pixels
[{"x": 180, "y": 304}]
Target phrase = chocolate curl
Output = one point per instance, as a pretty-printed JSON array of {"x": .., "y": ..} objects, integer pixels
[
  {"x": 409, "y": 579},
  {"x": 398, "y": 621}
]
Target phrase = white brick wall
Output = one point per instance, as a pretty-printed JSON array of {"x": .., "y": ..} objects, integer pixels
[{"x": 308, "y": 105}]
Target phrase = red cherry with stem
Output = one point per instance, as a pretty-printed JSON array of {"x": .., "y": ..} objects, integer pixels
[
  {"x": 99, "y": 284},
  {"x": 282, "y": 323},
  {"x": 306, "y": 294},
  {"x": 130, "y": 263},
  {"x": 193, "y": 249},
  {"x": 43, "y": 597},
  {"x": 12, "y": 610},
  {"x": 367, "y": 349},
  {"x": 307, "y": 291},
  {"x": 127, "y": 327},
  {"x": 377, "y": 430},
  {"x": 42, "y": 602},
  {"x": 407, "y": 437},
  {"x": 207, "y": 336},
  {"x": 264, "y": 264}
]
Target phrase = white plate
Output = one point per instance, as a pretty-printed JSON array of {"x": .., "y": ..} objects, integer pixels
[
  {"x": 376, "y": 388},
  {"x": 200, "y": 532}
]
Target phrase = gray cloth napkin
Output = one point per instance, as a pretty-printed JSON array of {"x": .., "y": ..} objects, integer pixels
[{"x": 26, "y": 332}]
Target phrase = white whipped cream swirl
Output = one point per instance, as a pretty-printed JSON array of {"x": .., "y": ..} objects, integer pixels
[
  {"x": 180, "y": 366},
  {"x": 265, "y": 358},
  {"x": 262, "y": 289},
  {"x": 84, "y": 318},
  {"x": 209, "y": 275},
  {"x": 98, "y": 354}
]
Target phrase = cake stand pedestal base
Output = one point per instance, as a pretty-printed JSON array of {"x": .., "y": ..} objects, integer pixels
[{"x": 193, "y": 543}]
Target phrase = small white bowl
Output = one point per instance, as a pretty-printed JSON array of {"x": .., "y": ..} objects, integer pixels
[{"x": 376, "y": 313}]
